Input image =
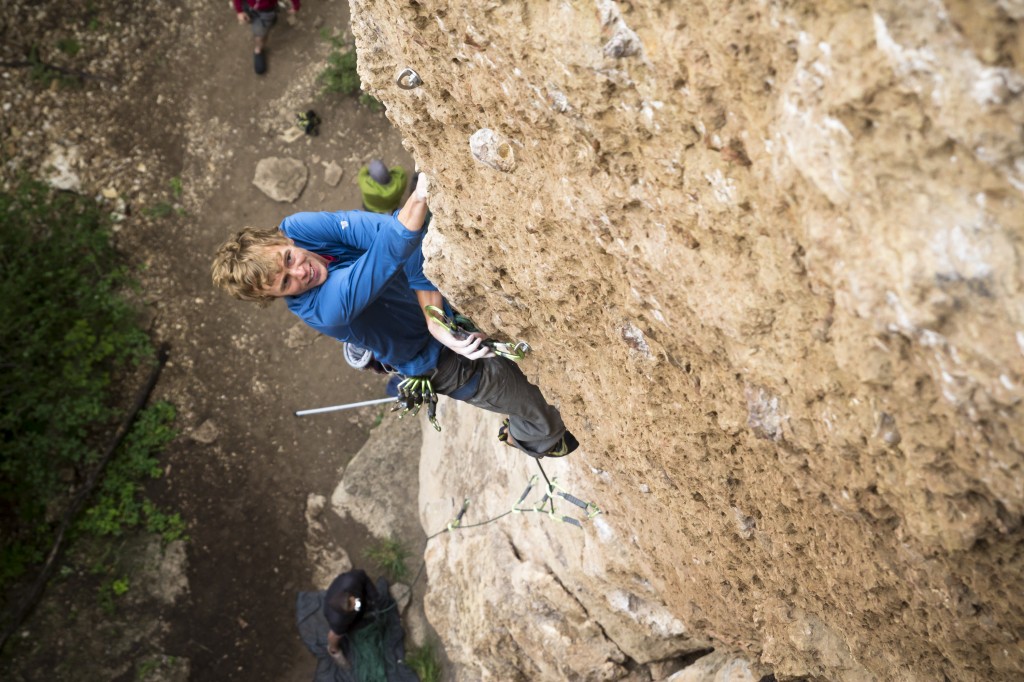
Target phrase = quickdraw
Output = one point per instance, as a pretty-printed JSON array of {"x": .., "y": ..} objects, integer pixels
[
  {"x": 412, "y": 393},
  {"x": 457, "y": 521},
  {"x": 554, "y": 490},
  {"x": 461, "y": 326},
  {"x": 545, "y": 505}
]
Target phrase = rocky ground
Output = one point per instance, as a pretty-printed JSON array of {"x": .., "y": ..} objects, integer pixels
[{"x": 156, "y": 111}]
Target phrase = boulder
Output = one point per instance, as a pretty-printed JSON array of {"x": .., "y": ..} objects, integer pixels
[{"x": 281, "y": 179}]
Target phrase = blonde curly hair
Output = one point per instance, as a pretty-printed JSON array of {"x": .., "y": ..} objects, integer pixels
[{"x": 244, "y": 268}]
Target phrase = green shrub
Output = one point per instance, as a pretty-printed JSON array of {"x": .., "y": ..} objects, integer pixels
[
  {"x": 389, "y": 556},
  {"x": 68, "y": 335},
  {"x": 117, "y": 505},
  {"x": 424, "y": 662},
  {"x": 342, "y": 76},
  {"x": 45, "y": 74},
  {"x": 69, "y": 46}
]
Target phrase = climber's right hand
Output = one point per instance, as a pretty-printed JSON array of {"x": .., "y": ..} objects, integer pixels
[{"x": 470, "y": 347}]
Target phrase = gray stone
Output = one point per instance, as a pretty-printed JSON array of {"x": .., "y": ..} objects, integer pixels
[
  {"x": 327, "y": 558},
  {"x": 490, "y": 148},
  {"x": 601, "y": 616},
  {"x": 206, "y": 433},
  {"x": 332, "y": 174},
  {"x": 718, "y": 667},
  {"x": 59, "y": 167},
  {"x": 281, "y": 179},
  {"x": 402, "y": 594},
  {"x": 378, "y": 484}
]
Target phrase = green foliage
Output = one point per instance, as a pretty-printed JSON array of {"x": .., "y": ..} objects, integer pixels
[
  {"x": 424, "y": 662},
  {"x": 147, "y": 668},
  {"x": 117, "y": 505},
  {"x": 372, "y": 102},
  {"x": 69, "y": 46},
  {"x": 378, "y": 420},
  {"x": 341, "y": 74},
  {"x": 156, "y": 667},
  {"x": 45, "y": 74},
  {"x": 67, "y": 333},
  {"x": 161, "y": 209},
  {"x": 389, "y": 555}
]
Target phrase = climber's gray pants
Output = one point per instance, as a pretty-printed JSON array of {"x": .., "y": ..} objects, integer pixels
[{"x": 498, "y": 385}]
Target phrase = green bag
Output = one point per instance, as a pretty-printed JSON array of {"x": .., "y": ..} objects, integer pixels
[{"x": 382, "y": 198}]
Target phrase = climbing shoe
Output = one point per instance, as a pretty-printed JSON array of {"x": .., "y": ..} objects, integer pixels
[
  {"x": 565, "y": 446},
  {"x": 259, "y": 63}
]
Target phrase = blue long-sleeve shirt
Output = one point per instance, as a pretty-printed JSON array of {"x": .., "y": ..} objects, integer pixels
[{"x": 369, "y": 296}]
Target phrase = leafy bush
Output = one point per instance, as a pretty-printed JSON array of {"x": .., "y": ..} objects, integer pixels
[
  {"x": 342, "y": 76},
  {"x": 116, "y": 503},
  {"x": 68, "y": 333},
  {"x": 424, "y": 662},
  {"x": 69, "y": 46},
  {"x": 389, "y": 556}
]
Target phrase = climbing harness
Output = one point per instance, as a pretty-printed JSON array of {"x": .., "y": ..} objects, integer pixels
[
  {"x": 412, "y": 393},
  {"x": 408, "y": 79},
  {"x": 461, "y": 327}
]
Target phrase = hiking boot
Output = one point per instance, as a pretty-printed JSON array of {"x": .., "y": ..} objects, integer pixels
[{"x": 259, "y": 63}]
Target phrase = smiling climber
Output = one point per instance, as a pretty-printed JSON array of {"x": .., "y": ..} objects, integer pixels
[{"x": 358, "y": 277}]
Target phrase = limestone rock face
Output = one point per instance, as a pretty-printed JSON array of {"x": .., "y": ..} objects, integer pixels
[
  {"x": 544, "y": 599},
  {"x": 768, "y": 257},
  {"x": 382, "y": 503}
]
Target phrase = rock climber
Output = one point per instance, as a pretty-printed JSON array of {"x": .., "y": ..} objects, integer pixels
[
  {"x": 358, "y": 276},
  {"x": 261, "y": 15}
]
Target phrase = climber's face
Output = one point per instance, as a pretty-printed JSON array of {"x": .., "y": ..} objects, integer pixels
[{"x": 299, "y": 270}]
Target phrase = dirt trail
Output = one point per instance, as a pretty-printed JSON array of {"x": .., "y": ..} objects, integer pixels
[{"x": 241, "y": 371}]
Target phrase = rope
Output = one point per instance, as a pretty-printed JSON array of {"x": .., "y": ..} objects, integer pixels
[{"x": 549, "y": 498}]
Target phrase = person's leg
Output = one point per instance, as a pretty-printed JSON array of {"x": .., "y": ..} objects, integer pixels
[
  {"x": 262, "y": 22},
  {"x": 498, "y": 385}
]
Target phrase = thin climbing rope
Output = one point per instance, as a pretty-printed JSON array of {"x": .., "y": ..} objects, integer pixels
[{"x": 549, "y": 498}]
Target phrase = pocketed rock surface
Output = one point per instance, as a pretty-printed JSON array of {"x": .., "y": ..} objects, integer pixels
[{"x": 768, "y": 258}]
